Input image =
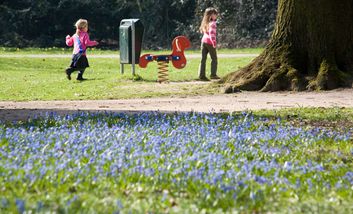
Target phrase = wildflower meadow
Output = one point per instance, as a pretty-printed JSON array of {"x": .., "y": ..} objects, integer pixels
[{"x": 172, "y": 163}]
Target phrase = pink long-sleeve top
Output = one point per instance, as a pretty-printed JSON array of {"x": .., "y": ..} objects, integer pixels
[
  {"x": 209, "y": 37},
  {"x": 80, "y": 42}
]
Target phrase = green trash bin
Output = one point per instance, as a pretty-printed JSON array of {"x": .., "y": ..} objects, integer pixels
[{"x": 130, "y": 42}]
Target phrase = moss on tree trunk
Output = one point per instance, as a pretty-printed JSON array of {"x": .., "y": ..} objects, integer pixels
[{"x": 311, "y": 48}]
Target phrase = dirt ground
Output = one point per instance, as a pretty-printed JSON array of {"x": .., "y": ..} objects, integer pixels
[{"x": 14, "y": 111}]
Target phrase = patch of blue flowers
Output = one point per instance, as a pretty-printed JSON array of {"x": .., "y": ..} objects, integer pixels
[{"x": 240, "y": 158}]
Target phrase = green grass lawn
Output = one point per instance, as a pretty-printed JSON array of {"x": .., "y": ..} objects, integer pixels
[{"x": 26, "y": 78}]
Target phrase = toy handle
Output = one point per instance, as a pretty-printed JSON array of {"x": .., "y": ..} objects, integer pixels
[
  {"x": 145, "y": 59},
  {"x": 179, "y": 60}
]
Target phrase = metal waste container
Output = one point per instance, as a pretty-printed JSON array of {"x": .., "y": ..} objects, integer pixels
[{"x": 130, "y": 42}]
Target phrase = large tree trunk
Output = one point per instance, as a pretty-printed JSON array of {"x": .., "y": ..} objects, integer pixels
[{"x": 311, "y": 48}]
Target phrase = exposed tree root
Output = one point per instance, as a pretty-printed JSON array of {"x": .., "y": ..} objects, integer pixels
[
  {"x": 269, "y": 73},
  {"x": 330, "y": 77}
]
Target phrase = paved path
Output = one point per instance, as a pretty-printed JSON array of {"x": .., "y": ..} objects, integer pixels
[{"x": 211, "y": 103}]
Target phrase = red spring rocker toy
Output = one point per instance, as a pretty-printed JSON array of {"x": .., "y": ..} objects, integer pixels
[{"x": 179, "y": 44}]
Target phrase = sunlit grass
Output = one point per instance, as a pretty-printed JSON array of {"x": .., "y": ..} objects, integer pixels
[{"x": 43, "y": 78}]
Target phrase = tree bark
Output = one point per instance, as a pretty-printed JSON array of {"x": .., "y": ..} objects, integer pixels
[{"x": 311, "y": 48}]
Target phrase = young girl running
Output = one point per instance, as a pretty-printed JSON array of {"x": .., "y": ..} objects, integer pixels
[
  {"x": 80, "y": 41},
  {"x": 208, "y": 43}
]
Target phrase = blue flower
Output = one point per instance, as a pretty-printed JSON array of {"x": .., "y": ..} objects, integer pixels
[
  {"x": 232, "y": 153},
  {"x": 20, "y": 204}
]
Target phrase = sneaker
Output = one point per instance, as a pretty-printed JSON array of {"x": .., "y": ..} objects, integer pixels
[
  {"x": 203, "y": 79},
  {"x": 215, "y": 77},
  {"x": 81, "y": 79},
  {"x": 68, "y": 74}
]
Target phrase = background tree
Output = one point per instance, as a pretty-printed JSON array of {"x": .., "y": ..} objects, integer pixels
[
  {"x": 44, "y": 23},
  {"x": 245, "y": 23},
  {"x": 161, "y": 19},
  {"x": 311, "y": 48}
]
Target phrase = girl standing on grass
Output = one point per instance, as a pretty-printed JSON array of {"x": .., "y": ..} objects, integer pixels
[
  {"x": 80, "y": 41},
  {"x": 208, "y": 43}
]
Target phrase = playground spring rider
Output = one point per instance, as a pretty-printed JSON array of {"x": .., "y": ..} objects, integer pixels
[{"x": 179, "y": 44}]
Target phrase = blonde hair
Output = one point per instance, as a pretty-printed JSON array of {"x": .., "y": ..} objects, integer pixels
[
  {"x": 80, "y": 25},
  {"x": 207, "y": 18}
]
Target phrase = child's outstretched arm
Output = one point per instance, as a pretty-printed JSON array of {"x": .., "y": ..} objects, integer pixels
[
  {"x": 89, "y": 42},
  {"x": 69, "y": 40}
]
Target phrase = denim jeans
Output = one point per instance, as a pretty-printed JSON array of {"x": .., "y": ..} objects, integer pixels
[{"x": 205, "y": 49}]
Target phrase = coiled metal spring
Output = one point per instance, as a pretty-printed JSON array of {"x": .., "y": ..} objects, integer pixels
[{"x": 163, "y": 76}]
